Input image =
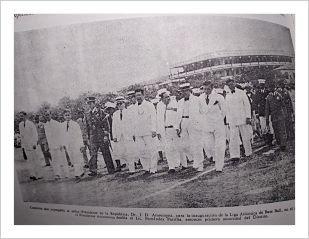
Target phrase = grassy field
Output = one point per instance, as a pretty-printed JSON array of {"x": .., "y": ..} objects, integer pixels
[{"x": 263, "y": 178}]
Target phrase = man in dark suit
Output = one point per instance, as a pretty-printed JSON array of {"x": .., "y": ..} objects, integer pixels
[
  {"x": 98, "y": 134},
  {"x": 258, "y": 105}
]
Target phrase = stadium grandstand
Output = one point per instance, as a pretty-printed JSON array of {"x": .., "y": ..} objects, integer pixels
[{"x": 228, "y": 64}]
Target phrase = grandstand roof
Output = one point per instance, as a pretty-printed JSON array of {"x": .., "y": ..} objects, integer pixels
[
  {"x": 286, "y": 67},
  {"x": 218, "y": 54}
]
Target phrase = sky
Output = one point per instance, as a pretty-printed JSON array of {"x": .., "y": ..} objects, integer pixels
[{"x": 60, "y": 56}]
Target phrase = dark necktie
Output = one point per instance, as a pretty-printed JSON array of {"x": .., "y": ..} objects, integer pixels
[
  {"x": 24, "y": 124},
  {"x": 207, "y": 99},
  {"x": 121, "y": 115},
  {"x": 67, "y": 125}
]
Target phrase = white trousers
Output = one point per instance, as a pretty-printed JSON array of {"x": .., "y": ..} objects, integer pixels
[
  {"x": 197, "y": 145},
  {"x": 236, "y": 132},
  {"x": 185, "y": 147},
  {"x": 146, "y": 149},
  {"x": 59, "y": 162},
  {"x": 215, "y": 145},
  {"x": 171, "y": 143},
  {"x": 76, "y": 158},
  {"x": 34, "y": 164},
  {"x": 125, "y": 151}
]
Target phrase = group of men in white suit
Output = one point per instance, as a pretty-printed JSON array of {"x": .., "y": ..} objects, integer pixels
[
  {"x": 185, "y": 128},
  {"x": 60, "y": 136}
]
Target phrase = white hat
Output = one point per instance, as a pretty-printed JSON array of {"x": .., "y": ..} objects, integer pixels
[
  {"x": 184, "y": 86},
  {"x": 261, "y": 81},
  {"x": 155, "y": 101},
  {"x": 120, "y": 98},
  {"x": 110, "y": 105},
  {"x": 163, "y": 90},
  {"x": 131, "y": 92},
  {"x": 167, "y": 92},
  {"x": 196, "y": 90},
  {"x": 219, "y": 90}
]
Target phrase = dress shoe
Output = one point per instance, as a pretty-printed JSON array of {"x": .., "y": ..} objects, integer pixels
[
  {"x": 92, "y": 174},
  {"x": 171, "y": 171},
  {"x": 77, "y": 179},
  {"x": 33, "y": 178}
]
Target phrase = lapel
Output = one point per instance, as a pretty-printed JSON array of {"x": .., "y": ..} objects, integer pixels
[
  {"x": 207, "y": 107},
  {"x": 212, "y": 99},
  {"x": 24, "y": 124}
]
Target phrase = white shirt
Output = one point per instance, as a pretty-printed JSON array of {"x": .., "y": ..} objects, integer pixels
[
  {"x": 122, "y": 128},
  {"x": 238, "y": 107},
  {"x": 72, "y": 135},
  {"x": 166, "y": 116},
  {"x": 54, "y": 134},
  {"x": 189, "y": 108},
  {"x": 28, "y": 134},
  {"x": 144, "y": 118},
  {"x": 213, "y": 113}
]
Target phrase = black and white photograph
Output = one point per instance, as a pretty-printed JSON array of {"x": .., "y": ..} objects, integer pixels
[{"x": 155, "y": 111}]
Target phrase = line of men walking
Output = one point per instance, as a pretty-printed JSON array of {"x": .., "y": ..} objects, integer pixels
[{"x": 132, "y": 131}]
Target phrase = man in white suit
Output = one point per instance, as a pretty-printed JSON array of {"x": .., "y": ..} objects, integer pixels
[
  {"x": 54, "y": 135},
  {"x": 29, "y": 140},
  {"x": 189, "y": 129},
  {"x": 124, "y": 147},
  {"x": 73, "y": 141},
  {"x": 213, "y": 110},
  {"x": 239, "y": 120},
  {"x": 166, "y": 129},
  {"x": 144, "y": 122}
]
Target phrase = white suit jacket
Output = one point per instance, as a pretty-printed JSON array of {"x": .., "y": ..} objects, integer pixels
[
  {"x": 144, "y": 118},
  {"x": 123, "y": 128},
  {"x": 166, "y": 116},
  {"x": 54, "y": 134},
  {"x": 213, "y": 113},
  {"x": 72, "y": 138},
  {"x": 238, "y": 107},
  {"x": 28, "y": 134},
  {"x": 194, "y": 114}
]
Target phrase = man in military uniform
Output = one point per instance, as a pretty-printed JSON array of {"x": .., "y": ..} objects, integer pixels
[
  {"x": 258, "y": 105},
  {"x": 289, "y": 119},
  {"x": 275, "y": 108},
  {"x": 97, "y": 129},
  {"x": 109, "y": 111},
  {"x": 42, "y": 140}
]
